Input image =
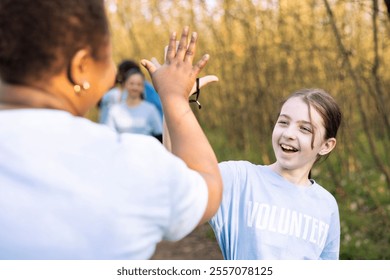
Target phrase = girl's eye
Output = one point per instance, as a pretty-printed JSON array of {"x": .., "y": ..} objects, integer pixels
[
  {"x": 282, "y": 122},
  {"x": 306, "y": 129}
]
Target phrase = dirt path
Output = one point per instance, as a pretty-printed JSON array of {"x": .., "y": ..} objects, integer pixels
[{"x": 199, "y": 245}]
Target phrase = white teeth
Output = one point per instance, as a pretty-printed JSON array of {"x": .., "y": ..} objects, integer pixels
[{"x": 288, "y": 148}]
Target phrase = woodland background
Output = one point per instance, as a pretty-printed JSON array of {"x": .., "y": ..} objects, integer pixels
[{"x": 262, "y": 50}]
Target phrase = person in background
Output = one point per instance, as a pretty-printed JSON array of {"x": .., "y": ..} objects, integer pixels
[
  {"x": 74, "y": 189},
  {"x": 117, "y": 94},
  {"x": 135, "y": 115},
  {"x": 113, "y": 96}
]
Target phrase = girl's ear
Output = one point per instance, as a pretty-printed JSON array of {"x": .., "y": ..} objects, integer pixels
[{"x": 328, "y": 146}]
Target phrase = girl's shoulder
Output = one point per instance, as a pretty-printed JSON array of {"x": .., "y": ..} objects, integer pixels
[
  {"x": 237, "y": 164},
  {"x": 146, "y": 105},
  {"x": 118, "y": 107},
  {"x": 241, "y": 165},
  {"x": 323, "y": 193},
  {"x": 241, "y": 170}
]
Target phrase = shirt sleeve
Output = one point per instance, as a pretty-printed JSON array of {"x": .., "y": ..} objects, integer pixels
[
  {"x": 170, "y": 199},
  {"x": 332, "y": 245},
  {"x": 218, "y": 222},
  {"x": 189, "y": 197},
  {"x": 110, "y": 118}
]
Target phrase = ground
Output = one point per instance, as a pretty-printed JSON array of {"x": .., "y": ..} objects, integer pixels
[{"x": 199, "y": 245}]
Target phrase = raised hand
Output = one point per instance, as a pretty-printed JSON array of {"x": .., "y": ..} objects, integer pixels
[
  {"x": 203, "y": 81},
  {"x": 176, "y": 77}
]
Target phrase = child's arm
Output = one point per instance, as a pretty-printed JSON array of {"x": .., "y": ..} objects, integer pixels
[
  {"x": 202, "y": 82},
  {"x": 173, "y": 81}
]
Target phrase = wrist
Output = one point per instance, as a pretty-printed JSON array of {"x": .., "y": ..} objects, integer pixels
[{"x": 174, "y": 102}]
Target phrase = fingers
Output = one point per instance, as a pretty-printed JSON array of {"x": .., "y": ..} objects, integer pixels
[
  {"x": 178, "y": 71},
  {"x": 182, "y": 48},
  {"x": 171, "y": 49},
  {"x": 207, "y": 79},
  {"x": 155, "y": 62},
  {"x": 189, "y": 56},
  {"x": 201, "y": 64},
  {"x": 150, "y": 66},
  {"x": 165, "y": 53},
  {"x": 204, "y": 81}
]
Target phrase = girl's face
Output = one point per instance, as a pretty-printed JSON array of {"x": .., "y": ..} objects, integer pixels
[
  {"x": 135, "y": 86},
  {"x": 293, "y": 134}
]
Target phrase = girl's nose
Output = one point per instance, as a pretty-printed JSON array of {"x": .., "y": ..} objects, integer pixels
[{"x": 289, "y": 132}]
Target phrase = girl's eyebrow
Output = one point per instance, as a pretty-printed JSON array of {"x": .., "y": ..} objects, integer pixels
[{"x": 284, "y": 115}]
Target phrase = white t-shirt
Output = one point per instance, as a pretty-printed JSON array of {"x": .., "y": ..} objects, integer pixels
[
  {"x": 264, "y": 216},
  {"x": 73, "y": 189}
]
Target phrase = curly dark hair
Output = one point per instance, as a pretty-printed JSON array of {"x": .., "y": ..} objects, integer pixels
[{"x": 39, "y": 37}]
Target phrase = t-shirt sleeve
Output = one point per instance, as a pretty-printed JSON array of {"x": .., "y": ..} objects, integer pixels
[
  {"x": 332, "y": 244},
  {"x": 110, "y": 119},
  {"x": 189, "y": 197},
  {"x": 218, "y": 222},
  {"x": 169, "y": 199}
]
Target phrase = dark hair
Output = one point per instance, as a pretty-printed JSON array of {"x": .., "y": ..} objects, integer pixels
[
  {"x": 325, "y": 105},
  {"x": 123, "y": 68},
  {"x": 39, "y": 38},
  {"x": 131, "y": 72}
]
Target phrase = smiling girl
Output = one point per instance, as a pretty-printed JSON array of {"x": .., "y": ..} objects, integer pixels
[
  {"x": 277, "y": 211},
  {"x": 135, "y": 115}
]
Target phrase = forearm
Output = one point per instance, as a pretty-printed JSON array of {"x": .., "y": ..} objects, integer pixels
[
  {"x": 184, "y": 137},
  {"x": 166, "y": 138}
]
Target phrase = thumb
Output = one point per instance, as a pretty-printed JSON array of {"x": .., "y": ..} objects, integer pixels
[
  {"x": 150, "y": 66},
  {"x": 204, "y": 81},
  {"x": 155, "y": 62}
]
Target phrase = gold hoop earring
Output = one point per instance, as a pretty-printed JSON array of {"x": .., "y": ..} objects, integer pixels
[{"x": 85, "y": 86}]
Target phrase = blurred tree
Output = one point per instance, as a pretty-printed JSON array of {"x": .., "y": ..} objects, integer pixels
[{"x": 387, "y": 3}]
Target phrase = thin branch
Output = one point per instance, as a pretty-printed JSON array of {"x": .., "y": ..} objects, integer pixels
[{"x": 382, "y": 167}]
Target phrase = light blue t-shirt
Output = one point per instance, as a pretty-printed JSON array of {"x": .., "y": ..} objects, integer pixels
[
  {"x": 142, "y": 119},
  {"x": 263, "y": 216},
  {"x": 74, "y": 189},
  {"x": 115, "y": 96},
  {"x": 112, "y": 97},
  {"x": 152, "y": 96}
]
